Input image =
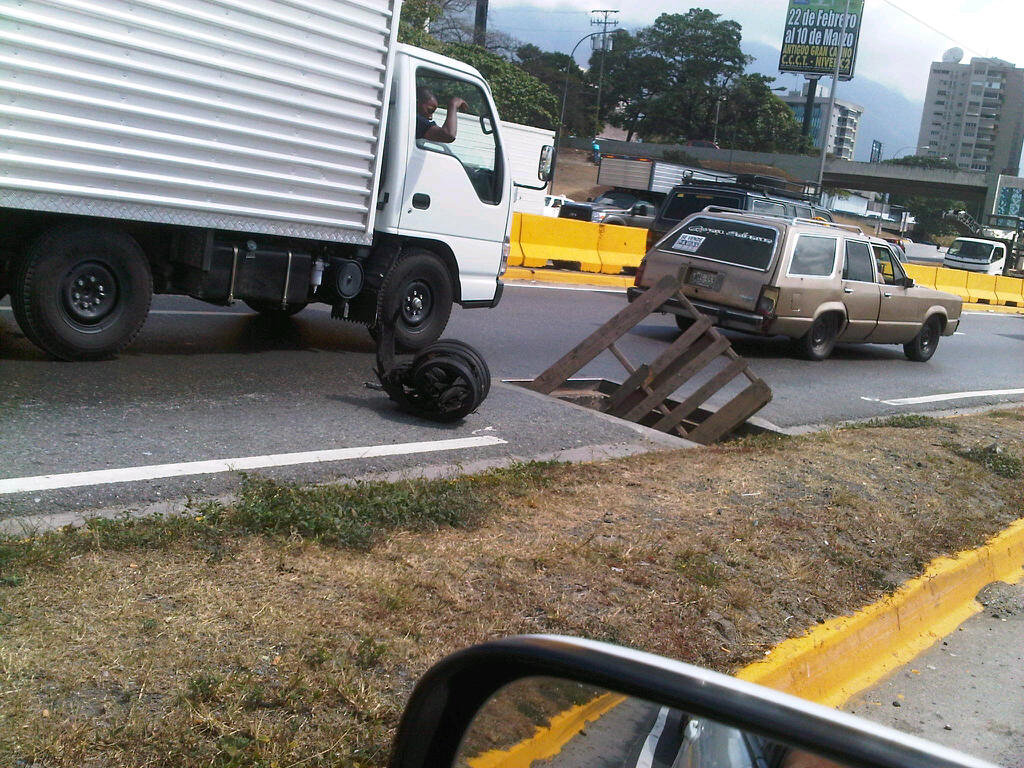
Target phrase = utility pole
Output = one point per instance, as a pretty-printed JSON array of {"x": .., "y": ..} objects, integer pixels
[
  {"x": 480, "y": 24},
  {"x": 604, "y": 23}
]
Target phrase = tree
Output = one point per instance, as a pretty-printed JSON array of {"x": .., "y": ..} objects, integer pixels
[
  {"x": 414, "y": 23},
  {"x": 633, "y": 79},
  {"x": 519, "y": 96},
  {"x": 926, "y": 210},
  {"x": 755, "y": 119},
  {"x": 552, "y": 68},
  {"x": 664, "y": 81}
]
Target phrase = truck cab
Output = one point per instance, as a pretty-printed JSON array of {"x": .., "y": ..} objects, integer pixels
[{"x": 975, "y": 254}]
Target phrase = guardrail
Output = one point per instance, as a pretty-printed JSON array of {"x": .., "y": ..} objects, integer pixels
[{"x": 610, "y": 249}]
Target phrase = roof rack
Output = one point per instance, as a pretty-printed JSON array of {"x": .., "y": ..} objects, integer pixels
[
  {"x": 792, "y": 219},
  {"x": 774, "y": 185}
]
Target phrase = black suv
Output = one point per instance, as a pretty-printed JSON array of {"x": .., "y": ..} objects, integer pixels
[{"x": 758, "y": 194}]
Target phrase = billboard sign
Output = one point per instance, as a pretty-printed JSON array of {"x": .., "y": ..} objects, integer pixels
[
  {"x": 1009, "y": 196},
  {"x": 815, "y": 31}
]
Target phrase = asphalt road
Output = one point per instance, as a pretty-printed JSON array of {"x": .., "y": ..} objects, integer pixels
[{"x": 203, "y": 383}]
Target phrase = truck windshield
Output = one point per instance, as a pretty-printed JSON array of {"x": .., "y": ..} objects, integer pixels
[
  {"x": 731, "y": 242},
  {"x": 616, "y": 199},
  {"x": 966, "y": 249}
]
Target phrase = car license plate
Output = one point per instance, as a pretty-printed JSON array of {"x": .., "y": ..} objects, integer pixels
[{"x": 702, "y": 278}]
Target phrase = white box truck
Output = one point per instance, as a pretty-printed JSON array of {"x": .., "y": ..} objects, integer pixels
[{"x": 231, "y": 150}]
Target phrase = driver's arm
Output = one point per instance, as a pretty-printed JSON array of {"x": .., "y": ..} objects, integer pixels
[{"x": 445, "y": 134}]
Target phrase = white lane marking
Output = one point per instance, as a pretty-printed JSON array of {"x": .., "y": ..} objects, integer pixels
[
  {"x": 945, "y": 396},
  {"x": 154, "y": 471},
  {"x": 646, "y": 758}
]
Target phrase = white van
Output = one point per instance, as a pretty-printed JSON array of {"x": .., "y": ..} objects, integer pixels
[{"x": 976, "y": 255}]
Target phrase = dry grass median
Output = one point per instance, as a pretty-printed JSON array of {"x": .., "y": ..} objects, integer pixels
[{"x": 288, "y": 628}]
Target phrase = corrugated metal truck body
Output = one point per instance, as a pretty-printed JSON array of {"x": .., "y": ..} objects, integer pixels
[{"x": 263, "y": 116}]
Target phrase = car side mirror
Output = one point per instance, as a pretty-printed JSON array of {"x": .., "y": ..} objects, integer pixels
[
  {"x": 908, "y": 282},
  {"x": 526, "y": 699}
]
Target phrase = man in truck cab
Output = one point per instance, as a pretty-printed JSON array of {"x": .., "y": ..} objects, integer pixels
[{"x": 426, "y": 128}]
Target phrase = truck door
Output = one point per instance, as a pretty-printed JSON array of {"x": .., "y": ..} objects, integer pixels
[{"x": 459, "y": 191}]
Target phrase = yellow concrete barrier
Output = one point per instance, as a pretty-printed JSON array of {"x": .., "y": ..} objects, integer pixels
[
  {"x": 1010, "y": 290},
  {"x": 515, "y": 251},
  {"x": 952, "y": 281},
  {"x": 922, "y": 275},
  {"x": 981, "y": 289},
  {"x": 544, "y": 239},
  {"x": 620, "y": 247}
]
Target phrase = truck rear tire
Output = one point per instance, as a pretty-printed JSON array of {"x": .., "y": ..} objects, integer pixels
[
  {"x": 82, "y": 293},
  {"x": 417, "y": 294}
]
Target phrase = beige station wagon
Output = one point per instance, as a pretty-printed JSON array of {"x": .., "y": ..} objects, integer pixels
[{"x": 813, "y": 281}]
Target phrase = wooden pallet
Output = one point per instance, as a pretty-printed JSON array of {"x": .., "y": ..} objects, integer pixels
[{"x": 647, "y": 388}]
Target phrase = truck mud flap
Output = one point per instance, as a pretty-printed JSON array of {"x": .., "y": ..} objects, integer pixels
[{"x": 701, "y": 363}]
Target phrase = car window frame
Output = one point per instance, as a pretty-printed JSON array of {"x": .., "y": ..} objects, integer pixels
[
  {"x": 871, "y": 258},
  {"x": 835, "y": 256}
]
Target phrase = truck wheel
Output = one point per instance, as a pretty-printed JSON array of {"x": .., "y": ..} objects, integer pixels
[
  {"x": 82, "y": 293},
  {"x": 417, "y": 294},
  {"x": 272, "y": 309},
  {"x": 820, "y": 340},
  {"x": 921, "y": 348}
]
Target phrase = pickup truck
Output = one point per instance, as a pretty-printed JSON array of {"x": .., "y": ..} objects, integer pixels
[
  {"x": 613, "y": 207},
  {"x": 816, "y": 282}
]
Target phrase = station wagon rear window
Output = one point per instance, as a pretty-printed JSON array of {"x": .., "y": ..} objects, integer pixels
[{"x": 731, "y": 242}]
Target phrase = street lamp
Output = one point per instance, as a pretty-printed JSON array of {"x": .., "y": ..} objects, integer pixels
[{"x": 561, "y": 114}]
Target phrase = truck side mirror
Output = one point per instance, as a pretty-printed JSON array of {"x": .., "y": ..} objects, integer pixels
[{"x": 547, "y": 161}]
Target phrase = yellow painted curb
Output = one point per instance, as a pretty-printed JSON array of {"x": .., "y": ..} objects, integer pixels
[
  {"x": 842, "y": 657},
  {"x": 548, "y": 741}
]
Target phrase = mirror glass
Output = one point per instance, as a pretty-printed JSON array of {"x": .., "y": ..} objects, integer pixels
[
  {"x": 547, "y": 155},
  {"x": 555, "y": 723}
]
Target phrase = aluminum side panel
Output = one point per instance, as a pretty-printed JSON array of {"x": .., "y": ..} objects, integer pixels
[{"x": 263, "y": 116}]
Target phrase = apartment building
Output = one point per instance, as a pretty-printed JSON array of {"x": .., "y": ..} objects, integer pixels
[
  {"x": 974, "y": 114},
  {"x": 839, "y": 132}
]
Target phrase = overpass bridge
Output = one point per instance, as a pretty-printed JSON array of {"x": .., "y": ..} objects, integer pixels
[{"x": 975, "y": 189}]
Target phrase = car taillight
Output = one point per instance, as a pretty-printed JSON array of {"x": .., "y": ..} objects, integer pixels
[
  {"x": 768, "y": 301},
  {"x": 640, "y": 272}
]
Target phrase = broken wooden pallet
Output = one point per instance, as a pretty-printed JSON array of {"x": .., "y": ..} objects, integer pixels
[{"x": 644, "y": 396}]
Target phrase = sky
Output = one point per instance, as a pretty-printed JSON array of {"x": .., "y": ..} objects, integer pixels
[{"x": 899, "y": 38}]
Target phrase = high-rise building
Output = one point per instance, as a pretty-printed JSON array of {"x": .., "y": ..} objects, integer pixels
[
  {"x": 839, "y": 133},
  {"x": 974, "y": 114}
]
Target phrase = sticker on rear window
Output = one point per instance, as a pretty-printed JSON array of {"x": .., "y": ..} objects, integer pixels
[{"x": 687, "y": 242}]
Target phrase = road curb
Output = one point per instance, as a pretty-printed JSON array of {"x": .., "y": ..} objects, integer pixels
[
  {"x": 548, "y": 741},
  {"x": 843, "y": 656}
]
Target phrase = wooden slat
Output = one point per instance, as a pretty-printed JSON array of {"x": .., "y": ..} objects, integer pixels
[
  {"x": 633, "y": 391},
  {"x": 701, "y": 395},
  {"x": 631, "y": 385},
  {"x": 732, "y": 414},
  {"x": 697, "y": 357},
  {"x": 617, "y": 327}
]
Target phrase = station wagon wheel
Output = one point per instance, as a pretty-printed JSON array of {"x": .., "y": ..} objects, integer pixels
[
  {"x": 922, "y": 347},
  {"x": 820, "y": 340},
  {"x": 684, "y": 323}
]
